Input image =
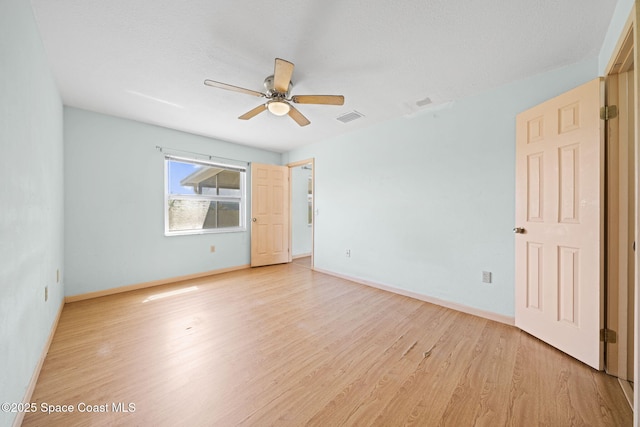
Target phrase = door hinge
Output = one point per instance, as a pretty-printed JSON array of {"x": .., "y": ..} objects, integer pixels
[
  {"x": 608, "y": 336},
  {"x": 608, "y": 112}
]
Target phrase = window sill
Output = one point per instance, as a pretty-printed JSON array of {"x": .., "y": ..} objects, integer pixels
[{"x": 212, "y": 231}]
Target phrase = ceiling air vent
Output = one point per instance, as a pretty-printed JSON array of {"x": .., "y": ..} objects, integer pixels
[
  {"x": 349, "y": 117},
  {"x": 423, "y": 102}
]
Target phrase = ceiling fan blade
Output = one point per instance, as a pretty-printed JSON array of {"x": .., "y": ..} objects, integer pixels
[
  {"x": 298, "y": 117},
  {"x": 233, "y": 88},
  {"x": 282, "y": 75},
  {"x": 318, "y": 99},
  {"x": 249, "y": 114}
]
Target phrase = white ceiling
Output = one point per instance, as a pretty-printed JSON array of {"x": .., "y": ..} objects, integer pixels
[{"x": 147, "y": 59}]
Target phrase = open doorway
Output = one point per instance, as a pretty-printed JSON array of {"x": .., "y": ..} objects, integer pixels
[{"x": 302, "y": 212}]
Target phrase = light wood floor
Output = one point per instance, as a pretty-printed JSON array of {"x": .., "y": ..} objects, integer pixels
[
  {"x": 304, "y": 261},
  {"x": 287, "y": 346}
]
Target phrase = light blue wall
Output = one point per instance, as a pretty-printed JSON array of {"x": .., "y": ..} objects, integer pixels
[
  {"x": 31, "y": 191},
  {"x": 114, "y": 205},
  {"x": 426, "y": 203}
]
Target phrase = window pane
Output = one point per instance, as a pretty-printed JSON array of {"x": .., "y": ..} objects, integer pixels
[
  {"x": 228, "y": 214},
  {"x": 202, "y": 214},
  {"x": 190, "y": 179},
  {"x": 229, "y": 180},
  {"x": 176, "y": 171},
  {"x": 187, "y": 214}
]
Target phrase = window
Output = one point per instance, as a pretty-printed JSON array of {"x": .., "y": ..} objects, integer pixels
[{"x": 203, "y": 197}]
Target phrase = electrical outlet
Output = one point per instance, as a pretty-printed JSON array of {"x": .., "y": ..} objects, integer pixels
[
  {"x": 486, "y": 277},
  {"x": 46, "y": 293},
  {"x": 212, "y": 248},
  {"x": 348, "y": 253}
]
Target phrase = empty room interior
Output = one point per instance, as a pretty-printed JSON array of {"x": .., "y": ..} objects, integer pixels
[{"x": 319, "y": 213}]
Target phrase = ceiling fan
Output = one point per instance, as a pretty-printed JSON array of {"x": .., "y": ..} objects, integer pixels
[{"x": 277, "y": 88}]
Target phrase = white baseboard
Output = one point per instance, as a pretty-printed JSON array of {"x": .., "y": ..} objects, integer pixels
[
  {"x": 17, "y": 422},
  {"x": 627, "y": 390},
  {"x": 448, "y": 304},
  {"x": 80, "y": 297}
]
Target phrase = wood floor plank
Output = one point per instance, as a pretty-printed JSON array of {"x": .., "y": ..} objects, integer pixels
[
  {"x": 350, "y": 367},
  {"x": 363, "y": 394},
  {"x": 433, "y": 380},
  {"x": 312, "y": 356},
  {"x": 488, "y": 372},
  {"x": 287, "y": 346}
]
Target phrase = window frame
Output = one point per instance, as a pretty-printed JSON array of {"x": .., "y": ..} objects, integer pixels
[{"x": 242, "y": 199}]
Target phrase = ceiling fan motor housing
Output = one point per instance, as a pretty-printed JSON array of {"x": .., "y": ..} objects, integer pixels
[{"x": 270, "y": 90}]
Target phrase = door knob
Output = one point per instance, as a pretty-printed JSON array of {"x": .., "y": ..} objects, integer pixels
[
  {"x": 254, "y": 219},
  {"x": 519, "y": 230}
]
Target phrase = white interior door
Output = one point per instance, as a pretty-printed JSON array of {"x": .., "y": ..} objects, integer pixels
[
  {"x": 269, "y": 214},
  {"x": 559, "y": 234}
]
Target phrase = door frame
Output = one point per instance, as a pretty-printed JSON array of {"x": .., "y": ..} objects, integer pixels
[
  {"x": 292, "y": 165},
  {"x": 625, "y": 53}
]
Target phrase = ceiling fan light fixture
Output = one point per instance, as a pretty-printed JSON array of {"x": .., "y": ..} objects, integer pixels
[{"x": 278, "y": 108}]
